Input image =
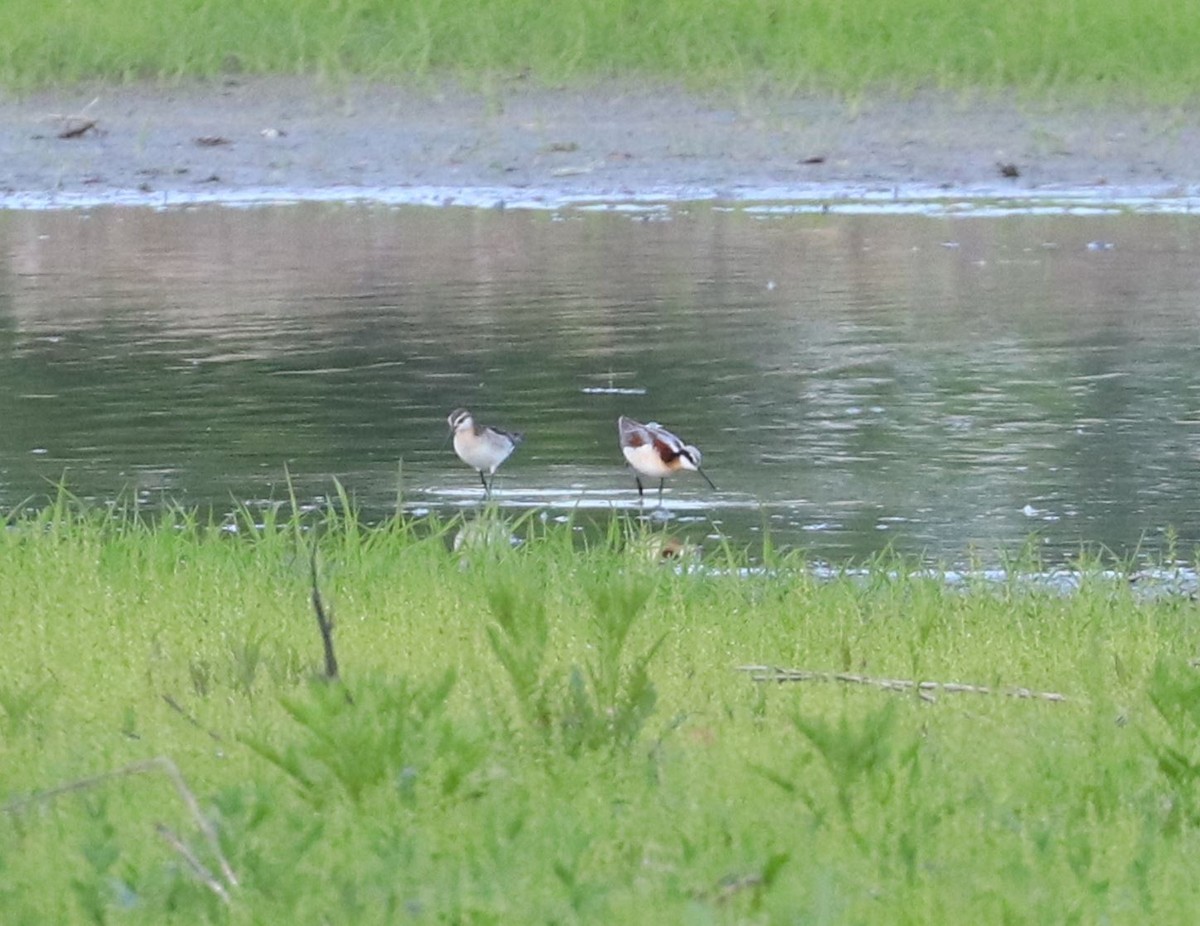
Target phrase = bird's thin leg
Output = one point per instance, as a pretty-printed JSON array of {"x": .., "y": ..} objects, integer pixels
[
  {"x": 487, "y": 489},
  {"x": 660, "y": 488},
  {"x": 641, "y": 492}
]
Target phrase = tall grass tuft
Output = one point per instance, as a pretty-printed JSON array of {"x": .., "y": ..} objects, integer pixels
[{"x": 601, "y": 705}]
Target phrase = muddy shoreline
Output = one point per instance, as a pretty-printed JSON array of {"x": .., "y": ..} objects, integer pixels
[{"x": 283, "y": 138}]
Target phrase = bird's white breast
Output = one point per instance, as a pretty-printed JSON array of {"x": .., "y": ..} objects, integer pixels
[
  {"x": 645, "y": 460},
  {"x": 483, "y": 451}
]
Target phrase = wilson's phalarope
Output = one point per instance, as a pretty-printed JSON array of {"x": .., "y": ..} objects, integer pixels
[
  {"x": 654, "y": 452},
  {"x": 481, "y": 447}
]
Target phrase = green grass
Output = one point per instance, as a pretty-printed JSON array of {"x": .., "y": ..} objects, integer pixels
[
  {"x": 1122, "y": 49},
  {"x": 559, "y": 733}
]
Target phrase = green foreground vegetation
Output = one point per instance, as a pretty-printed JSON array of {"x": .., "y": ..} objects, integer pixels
[
  {"x": 1128, "y": 49},
  {"x": 559, "y": 732}
]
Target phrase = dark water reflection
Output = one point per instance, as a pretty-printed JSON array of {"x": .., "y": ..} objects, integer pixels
[{"x": 941, "y": 385}]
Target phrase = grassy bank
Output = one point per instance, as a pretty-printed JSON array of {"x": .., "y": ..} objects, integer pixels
[
  {"x": 1128, "y": 49},
  {"x": 557, "y": 734}
]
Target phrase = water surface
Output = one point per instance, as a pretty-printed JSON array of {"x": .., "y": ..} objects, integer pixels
[{"x": 938, "y": 385}]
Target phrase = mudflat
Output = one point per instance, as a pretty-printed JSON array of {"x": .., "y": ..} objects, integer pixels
[{"x": 293, "y": 136}]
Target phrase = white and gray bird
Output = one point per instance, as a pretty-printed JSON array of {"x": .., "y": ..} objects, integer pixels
[{"x": 480, "y": 447}]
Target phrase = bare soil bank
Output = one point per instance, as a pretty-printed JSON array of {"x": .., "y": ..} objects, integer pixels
[{"x": 291, "y": 135}]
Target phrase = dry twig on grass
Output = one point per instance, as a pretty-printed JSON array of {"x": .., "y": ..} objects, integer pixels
[
  {"x": 195, "y": 866},
  {"x": 926, "y": 689},
  {"x": 171, "y": 770},
  {"x": 324, "y": 621},
  {"x": 182, "y": 712}
]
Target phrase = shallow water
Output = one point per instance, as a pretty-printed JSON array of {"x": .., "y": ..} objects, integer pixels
[{"x": 941, "y": 385}]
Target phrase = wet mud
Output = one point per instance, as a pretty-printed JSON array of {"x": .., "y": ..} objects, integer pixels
[{"x": 248, "y": 139}]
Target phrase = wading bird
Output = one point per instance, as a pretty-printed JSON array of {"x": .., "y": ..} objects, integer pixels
[
  {"x": 481, "y": 447},
  {"x": 654, "y": 452}
]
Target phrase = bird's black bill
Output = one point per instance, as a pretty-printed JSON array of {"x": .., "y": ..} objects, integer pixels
[{"x": 706, "y": 479}]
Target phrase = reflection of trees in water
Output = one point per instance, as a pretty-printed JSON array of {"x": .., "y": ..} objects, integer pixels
[{"x": 946, "y": 371}]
